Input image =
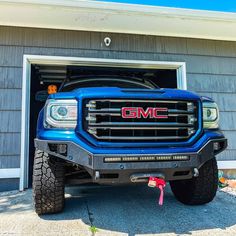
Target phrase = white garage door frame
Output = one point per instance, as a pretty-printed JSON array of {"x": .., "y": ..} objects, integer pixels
[{"x": 28, "y": 60}]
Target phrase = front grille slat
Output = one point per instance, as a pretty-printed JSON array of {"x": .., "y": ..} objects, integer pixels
[
  {"x": 131, "y": 124},
  {"x": 139, "y": 127},
  {"x": 103, "y": 120},
  {"x": 141, "y": 138},
  {"x": 136, "y": 100},
  {"x": 118, "y": 110}
]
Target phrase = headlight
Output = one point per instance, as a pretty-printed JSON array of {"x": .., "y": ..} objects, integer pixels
[
  {"x": 210, "y": 115},
  {"x": 61, "y": 113}
]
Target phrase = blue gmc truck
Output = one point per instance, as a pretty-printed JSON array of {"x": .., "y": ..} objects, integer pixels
[{"x": 126, "y": 130}]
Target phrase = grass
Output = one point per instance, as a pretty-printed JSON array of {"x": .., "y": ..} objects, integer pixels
[{"x": 93, "y": 229}]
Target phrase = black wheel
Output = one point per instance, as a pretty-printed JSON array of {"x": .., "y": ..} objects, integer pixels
[
  {"x": 48, "y": 183},
  {"x": 198, "y": 190}
]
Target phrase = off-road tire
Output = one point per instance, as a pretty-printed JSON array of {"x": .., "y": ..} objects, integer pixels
[
  {"x": 198, "y": 190},
  {"x": 48, "y": 183}
]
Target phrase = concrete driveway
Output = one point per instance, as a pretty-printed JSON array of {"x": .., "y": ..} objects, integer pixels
[{"x": 118, "y": 211}]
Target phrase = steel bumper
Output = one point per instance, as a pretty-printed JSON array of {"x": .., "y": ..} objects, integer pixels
[{"x": 171, "y": 165}]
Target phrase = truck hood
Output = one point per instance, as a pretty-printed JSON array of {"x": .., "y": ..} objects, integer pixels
[{"x": 114, "y": 92}]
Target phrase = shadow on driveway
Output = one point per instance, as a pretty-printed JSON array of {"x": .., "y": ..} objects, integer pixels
[
  {"x": 134, "y": 210},
  {"x": 15, "y": 202}
]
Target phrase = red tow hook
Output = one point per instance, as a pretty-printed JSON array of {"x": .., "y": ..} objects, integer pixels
[{"x": 158, "y": 183}]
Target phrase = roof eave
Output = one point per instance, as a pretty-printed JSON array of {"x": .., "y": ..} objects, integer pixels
[{"x": 118, "y": 18}]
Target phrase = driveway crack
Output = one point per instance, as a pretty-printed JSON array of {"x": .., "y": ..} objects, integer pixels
[{"x": 93, "y": 229}]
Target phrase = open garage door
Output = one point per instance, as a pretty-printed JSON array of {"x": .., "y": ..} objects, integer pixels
[{"x": 40, "y": 72}]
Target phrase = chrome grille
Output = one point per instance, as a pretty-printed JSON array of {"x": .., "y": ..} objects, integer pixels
[{"x": 104, "y": 121}]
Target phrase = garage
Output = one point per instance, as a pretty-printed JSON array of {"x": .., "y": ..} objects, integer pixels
[
  {"x": 45, "y": 71},
  {"x": 175, "y": 48}
]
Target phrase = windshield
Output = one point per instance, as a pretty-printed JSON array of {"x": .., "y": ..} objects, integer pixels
[{"x": 122, "y": 82}]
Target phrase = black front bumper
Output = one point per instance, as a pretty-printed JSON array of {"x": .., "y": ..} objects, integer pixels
[{"x": 121, "y": 171}]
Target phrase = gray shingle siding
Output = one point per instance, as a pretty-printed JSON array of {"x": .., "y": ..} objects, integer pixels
[
  {"x": 211, "y": 71},
  {"x": 9, "y": 184}
]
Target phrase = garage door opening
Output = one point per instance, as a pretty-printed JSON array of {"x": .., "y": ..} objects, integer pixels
[{"x": 40, "y": 71}]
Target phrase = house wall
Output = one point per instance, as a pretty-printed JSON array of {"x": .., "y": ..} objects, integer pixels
[{"x": 211, "y": 71}]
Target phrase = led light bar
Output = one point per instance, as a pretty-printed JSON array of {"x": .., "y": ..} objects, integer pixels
[{"x": 147, "y": 158}]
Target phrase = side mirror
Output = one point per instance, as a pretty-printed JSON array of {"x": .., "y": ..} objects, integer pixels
[{"x": 41, "y": 96}]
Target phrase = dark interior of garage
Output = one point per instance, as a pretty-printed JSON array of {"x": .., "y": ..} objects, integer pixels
[{"x": 44, "y": 75}]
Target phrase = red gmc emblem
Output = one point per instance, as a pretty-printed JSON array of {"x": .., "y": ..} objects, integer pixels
[{"x": 139, "y": 112}]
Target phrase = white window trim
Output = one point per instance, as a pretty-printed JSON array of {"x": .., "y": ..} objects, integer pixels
[
  {"x": 77, "y": 61},
  {"x": 9, "y": 173},
  {"x": 226, "y": 165}
]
